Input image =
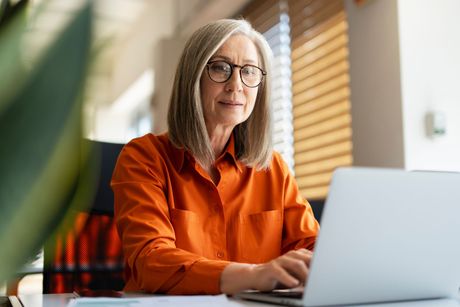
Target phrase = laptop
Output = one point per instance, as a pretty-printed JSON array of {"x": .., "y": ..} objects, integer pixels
[{"x": 386, "y": 236}]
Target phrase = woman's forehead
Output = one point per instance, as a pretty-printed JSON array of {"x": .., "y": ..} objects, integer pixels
[{"x": 238, "y": 47}]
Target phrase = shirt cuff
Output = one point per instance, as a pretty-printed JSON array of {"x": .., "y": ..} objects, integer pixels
[{"x": 204, "y": 277}]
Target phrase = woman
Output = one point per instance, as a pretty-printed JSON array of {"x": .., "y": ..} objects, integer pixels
[{"x": 208, "y": 207}]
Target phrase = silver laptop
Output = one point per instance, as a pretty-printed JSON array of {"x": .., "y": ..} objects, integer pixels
[{"x": 386, "y": 236}]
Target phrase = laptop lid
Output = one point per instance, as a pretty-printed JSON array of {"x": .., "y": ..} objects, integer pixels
[{"x": 387, "y": 235}]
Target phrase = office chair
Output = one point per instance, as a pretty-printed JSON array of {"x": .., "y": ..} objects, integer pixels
[
  {"x": 87, "y": 255},
  {"x": 317, "y": 205}
]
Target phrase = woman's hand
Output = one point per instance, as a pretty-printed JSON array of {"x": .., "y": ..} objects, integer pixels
[{"x": 288, "y": 270}]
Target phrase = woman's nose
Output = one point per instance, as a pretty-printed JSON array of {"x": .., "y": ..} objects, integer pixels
[{"x": 234, "y": 84}]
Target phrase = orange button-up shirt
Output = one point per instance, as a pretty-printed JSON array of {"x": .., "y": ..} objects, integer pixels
[{"x": 179, "y": 230}]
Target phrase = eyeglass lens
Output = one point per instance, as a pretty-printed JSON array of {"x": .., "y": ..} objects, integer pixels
[{"x": 221, "y": 71}]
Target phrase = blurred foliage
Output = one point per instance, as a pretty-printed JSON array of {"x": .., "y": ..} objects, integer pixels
[
  {"x": 9, "y": 8},
  {"x": 44, "y": 167}
]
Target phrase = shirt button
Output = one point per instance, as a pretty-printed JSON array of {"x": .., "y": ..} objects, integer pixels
[{"x": 220, "y": 254}]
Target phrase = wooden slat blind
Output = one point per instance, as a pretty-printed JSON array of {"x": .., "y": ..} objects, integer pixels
[
  {"x": 311, "y": 93},
  {"x": 270, "y": 18},
  {"x": 321, "y": 105},
  {"x": 263, "y": 15}
]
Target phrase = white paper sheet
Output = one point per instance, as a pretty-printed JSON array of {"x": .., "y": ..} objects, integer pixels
[{"x": 162, "y": 301}]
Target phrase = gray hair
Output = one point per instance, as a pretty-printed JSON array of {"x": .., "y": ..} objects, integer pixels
[{"x": 186, "y": 124}]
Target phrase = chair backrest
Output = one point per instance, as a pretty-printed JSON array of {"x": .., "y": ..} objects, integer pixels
[{"x": 88, "y": 254}]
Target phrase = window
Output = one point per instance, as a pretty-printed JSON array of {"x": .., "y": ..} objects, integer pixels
[
  {"x": 311, "y": 89},
  {"x": 272, "y": 20}
]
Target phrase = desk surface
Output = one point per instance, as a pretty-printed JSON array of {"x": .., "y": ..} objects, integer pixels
[{"x": 61, "y": 300}]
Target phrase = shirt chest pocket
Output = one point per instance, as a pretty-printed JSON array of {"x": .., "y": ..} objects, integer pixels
[
  {"x": 188, "y": 230},
  {"x": 260, "y": 236}
]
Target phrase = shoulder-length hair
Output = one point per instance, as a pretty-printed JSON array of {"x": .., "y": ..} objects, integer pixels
[{"x": 186, "y": 124}]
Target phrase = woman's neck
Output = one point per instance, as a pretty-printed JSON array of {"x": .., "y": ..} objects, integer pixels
[{"x": 219, "y": 137}]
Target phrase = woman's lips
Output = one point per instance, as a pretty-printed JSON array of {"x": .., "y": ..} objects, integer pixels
[{"x": 231, "y": 103}]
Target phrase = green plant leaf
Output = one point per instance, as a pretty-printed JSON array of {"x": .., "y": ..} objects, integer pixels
[
  {"x": 12, "y": 71},
  {"x": 41, "y": 154}
]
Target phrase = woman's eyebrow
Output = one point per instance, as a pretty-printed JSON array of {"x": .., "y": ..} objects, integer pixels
[
  {"x": 226, "y": 58},
  {"x": 221, "y": 57}
]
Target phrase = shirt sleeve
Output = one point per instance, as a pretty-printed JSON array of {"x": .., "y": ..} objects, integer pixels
[
  {"x": 154, "y": 262},
  {"x": 300, "y": 227}
]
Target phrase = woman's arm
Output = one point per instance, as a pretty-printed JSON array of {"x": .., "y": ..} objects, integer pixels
[
  {"x": 300, "y": 226},
  {"x": 144, "y": 223}
]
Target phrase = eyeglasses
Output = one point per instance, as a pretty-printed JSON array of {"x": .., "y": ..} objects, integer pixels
[{"x": 221, "y": 71}]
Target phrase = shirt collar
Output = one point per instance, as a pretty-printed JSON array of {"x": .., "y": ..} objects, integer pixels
[
  {"x": 230, "y": 151},
  {"x": 180, "y": 155}
]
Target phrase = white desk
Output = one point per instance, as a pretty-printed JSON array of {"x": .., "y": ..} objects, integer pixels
[
  {"x": 45, "y": 300},
  {"x": 61, "y": 300}
]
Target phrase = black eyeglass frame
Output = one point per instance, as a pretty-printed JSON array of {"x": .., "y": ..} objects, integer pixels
[{"x": 232, "y": 67}]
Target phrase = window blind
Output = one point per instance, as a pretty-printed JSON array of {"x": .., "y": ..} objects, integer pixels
[
  {"x": 321, "y": 93},
  {"x": 271, "y": 18},
  {"x": 310, "y": 96}
]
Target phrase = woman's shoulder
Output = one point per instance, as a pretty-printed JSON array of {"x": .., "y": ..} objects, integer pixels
[
  {"x": 143, "y": 159},
  {"x": 149, "y": 146},
  {"x": 278, "y": 164},
  {"x": 150, "y": 139}
]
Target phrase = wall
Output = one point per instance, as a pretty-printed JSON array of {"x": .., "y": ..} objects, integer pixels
[
  {"x": 167, "y": 53},
  {"x": 133, "y": 55},
  {"x": 375, "y": 84},
  {"x": 430, "y": 67},
  {"x": 127, "y": 56},
  {"x": 404, "y": 63}
]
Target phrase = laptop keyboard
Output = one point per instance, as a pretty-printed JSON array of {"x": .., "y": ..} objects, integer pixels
[{"x": 287, "y": 294}]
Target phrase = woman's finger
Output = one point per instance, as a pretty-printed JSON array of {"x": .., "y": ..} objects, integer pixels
[
  {"x": 283, "y": 276},
  {"x": 268, "y": 275},
  {"x": 301, "y": 254},
  {"x": 294, "y": 267}
]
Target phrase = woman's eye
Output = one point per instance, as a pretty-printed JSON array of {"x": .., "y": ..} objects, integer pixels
[
  {"x": 248, "y": 70},
  {"x": 221, "y": 68}
]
